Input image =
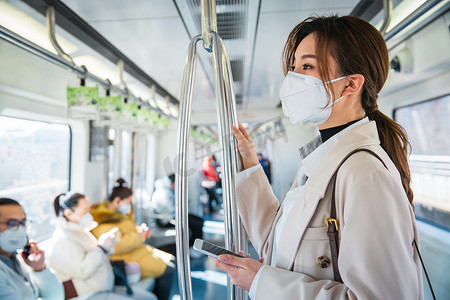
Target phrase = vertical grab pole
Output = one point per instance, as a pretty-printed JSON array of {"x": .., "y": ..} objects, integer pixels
[
  {"x": 209, "y": 22},
  {"x": 181, "y": 188},
  {"x": 230, "y": 162},
  {"x": 241, "y": 234}
]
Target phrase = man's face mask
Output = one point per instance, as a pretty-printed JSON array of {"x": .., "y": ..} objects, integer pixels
[
  {"x": 13, "y": 238},
  {"x": 304, "y": 98}
]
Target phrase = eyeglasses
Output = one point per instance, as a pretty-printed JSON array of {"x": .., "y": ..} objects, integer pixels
[{"x": 14, "y": 223}]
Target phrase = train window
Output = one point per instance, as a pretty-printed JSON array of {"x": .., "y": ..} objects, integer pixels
[
  {"x": 428, "y": 128},
  {"x": 35, "y": 167},
  {"x": 127, "y": 149}
]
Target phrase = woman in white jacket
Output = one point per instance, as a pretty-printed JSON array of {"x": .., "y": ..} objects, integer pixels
[
  {"x": 346, "y": 229},
  {"x": 77, "y": 256}
]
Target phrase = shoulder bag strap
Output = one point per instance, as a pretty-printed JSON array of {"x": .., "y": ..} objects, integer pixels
[
  {"x": 332, "y": 222},
  {"x": 424, "y": 270},
  {"x": 333, "y": 228}
]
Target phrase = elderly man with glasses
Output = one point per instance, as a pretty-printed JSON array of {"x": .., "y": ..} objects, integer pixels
[{"x": 23, "y": 274}]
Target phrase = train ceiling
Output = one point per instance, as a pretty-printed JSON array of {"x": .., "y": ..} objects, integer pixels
[{"x": 154, "y": 35}]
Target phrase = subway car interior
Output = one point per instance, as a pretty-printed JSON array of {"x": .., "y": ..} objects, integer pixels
[{"x": 146, "y": 90}]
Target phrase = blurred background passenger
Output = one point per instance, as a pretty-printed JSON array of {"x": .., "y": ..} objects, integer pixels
[
  {"x": 80, "y": 261},
  {"x": 117, "y": 212},
  {"x": 211, "y": 181},
  {"x": 265, "y": 163},
  {"x": 22, "y": 275},
  {"x": 163, "y": 204}
]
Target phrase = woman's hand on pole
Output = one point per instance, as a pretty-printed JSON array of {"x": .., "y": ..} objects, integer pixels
[
  {"x": 242, "y": 271},
  {"x": 245, "y": 146}
]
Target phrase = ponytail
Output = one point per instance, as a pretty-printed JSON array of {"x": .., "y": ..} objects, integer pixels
[
  {"x": 394, "y": 141},
  {"x": 65, "y": 201}
]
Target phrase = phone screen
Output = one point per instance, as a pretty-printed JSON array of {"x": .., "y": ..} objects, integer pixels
[{"x": 213, "y": 250}]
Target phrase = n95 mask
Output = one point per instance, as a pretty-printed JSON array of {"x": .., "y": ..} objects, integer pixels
[
  {"x": 13, "y": 239},
  {"x": 124, "y": 208},
  {"x": 304, "y": 98}
]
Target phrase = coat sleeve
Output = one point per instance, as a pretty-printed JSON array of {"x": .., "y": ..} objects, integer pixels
[
  {"x": 130, "y": 239},
  {"x": 48, "y": 286},
  {"x": 76, "y": 262},
  {"x": 376, "y": 254},
  {"x": 258, "y": 208}
]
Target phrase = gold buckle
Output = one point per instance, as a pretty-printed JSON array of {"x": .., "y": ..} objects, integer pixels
[{"x": 330, "y": 221}]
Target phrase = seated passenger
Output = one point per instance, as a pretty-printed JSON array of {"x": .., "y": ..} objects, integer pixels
[
  {"x": 78, "y": 258},
  {"x": 22, "y": 276},
  {"x": 117, "y": 212}
]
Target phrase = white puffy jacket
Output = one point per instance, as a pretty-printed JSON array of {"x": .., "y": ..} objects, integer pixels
[{"x": 75, "y": 256}]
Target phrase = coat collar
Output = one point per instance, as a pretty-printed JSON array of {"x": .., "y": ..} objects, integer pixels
[{"x": 360, "y": 136}]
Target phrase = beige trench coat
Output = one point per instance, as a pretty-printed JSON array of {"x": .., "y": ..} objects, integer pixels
[{"x": 376, "y": 229}]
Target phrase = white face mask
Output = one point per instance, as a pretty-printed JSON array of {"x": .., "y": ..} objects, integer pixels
[
  {"x": 86, "y": 220},
  {"x": 13, "y": 239},
  {"x": 304, "y": 98},
  {"x": 125, "y": 208}
]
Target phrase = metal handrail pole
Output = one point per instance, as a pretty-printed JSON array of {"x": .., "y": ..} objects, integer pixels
[
  {"x": 181, "y": 187},
  {"x": 241, "y": 241},
  {"x": 228, "y": 147},
  {"x": 29, "y": 46},
  {"x": 209, "y": 22},
  {"x": 387, "y": 9}
]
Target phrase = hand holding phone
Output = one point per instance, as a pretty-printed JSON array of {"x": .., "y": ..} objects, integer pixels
[
  {"x": 211, "y": 249},
  {"x": 109, "y": 239},
  {"x": 35, "y": 257}
]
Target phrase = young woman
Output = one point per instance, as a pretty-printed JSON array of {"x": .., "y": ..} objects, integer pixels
[
  {"x": 117, "y": 212},
  {"x": 335, "y": 68},
  {"x": 77, "y": 256}
]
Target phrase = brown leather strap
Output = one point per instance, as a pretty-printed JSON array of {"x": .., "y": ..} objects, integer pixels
[
  {"x": 333, "y": 231},
  {"x": 333, "y": 238},
  {"x": 424, "y": 270},
  {"x": 332, "y": 222}
]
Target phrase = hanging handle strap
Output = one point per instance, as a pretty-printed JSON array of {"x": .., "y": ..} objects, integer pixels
[{"x": 333, "y": 228}]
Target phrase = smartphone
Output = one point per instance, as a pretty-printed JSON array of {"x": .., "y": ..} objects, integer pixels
[
  {"x": 26, "y": 250},
  {"x": 211, "y": 249}
]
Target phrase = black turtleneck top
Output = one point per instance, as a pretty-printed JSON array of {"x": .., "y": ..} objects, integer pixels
[{"x": 329, "y": 132}]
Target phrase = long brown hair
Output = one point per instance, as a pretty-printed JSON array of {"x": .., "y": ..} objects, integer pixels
[{"x": 358, "y": 48}]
